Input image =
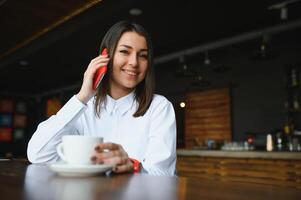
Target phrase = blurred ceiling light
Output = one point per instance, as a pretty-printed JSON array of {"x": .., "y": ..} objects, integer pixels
[
  {"x": 182, "y": 104},
  {"x": 263, "y": 46},
  {"x": 23, "y": 63},
  {"x": 184, "y": 71},
  {"x": 265, "y": 51},
  {"x": 282, "y": 7},
  {"x": 207, "y": 60},
  {"x": 135, "y": 11},
  {"x": 283, "y": 13},
  {"x": 183, "y": 62}
]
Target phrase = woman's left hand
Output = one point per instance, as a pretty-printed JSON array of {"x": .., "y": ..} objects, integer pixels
[{"x": 113, "y": 154}]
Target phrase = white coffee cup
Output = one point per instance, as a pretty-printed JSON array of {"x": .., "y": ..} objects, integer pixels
[{"x": 78, "y": 149}]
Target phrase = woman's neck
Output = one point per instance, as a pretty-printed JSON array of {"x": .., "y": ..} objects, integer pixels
[{"x": 117, "y": 93}]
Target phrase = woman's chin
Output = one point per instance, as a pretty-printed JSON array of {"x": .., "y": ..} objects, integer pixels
[{"x": 130, "y": 85}]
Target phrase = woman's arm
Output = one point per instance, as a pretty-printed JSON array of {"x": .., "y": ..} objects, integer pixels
[{"x": 42, "y": 145}]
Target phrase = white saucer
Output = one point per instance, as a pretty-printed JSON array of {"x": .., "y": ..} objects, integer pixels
[{"x": 64, "y": 169}]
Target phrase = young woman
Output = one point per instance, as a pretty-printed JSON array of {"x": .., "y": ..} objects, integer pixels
[{"x": 138, "y": 127}]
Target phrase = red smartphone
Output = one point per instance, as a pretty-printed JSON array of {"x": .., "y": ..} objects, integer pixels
[{"x": 100, "y": 72}]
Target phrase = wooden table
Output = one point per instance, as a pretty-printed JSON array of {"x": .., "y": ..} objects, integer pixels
[{"x": 19, "y": 180}]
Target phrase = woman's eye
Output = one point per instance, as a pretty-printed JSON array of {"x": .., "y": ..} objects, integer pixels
[
  {"x": 124, "y": 51},
  {"x": 143, "y": 56}
]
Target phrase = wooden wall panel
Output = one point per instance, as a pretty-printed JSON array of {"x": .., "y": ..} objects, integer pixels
[{"x": 207, "y": 116}]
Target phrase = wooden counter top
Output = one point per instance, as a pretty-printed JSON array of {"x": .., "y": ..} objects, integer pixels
[
  {"x": 241, "y": 154},
  {"x": 18, "y": 180}
]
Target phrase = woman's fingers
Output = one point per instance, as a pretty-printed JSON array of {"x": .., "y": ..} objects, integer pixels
[
  {"x": 87, "y": 92},
  {"x": 123, "y": 168},
  {"x": 112, "y": 158},
  {"x": 96, "y": 63},
  {"x": 110, "y": 153},
  {"x": 108, "y": 146},
  {"x": 94, "y": 66},
  {"x": 99, "y": 59},
  {"x": 97, "y": 66},
  {"x": 116, "y": 160}
]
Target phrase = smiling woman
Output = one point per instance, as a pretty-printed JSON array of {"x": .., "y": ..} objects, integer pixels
[
  {"x": 133, "y": 56},
  {"x": 138, "y": 126},
  {"x": 130, "y": 64}
]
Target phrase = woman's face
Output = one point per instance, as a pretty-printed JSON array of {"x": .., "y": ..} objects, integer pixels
[{"x": 129, "y": 62}]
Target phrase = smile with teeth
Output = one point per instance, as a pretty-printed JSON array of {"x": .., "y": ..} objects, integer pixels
[{"x": 129, "y": 72}]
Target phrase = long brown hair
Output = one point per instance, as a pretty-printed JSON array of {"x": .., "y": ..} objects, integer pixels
[{"x": 144, "y": 91}]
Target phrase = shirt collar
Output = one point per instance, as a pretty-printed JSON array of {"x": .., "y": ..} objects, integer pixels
[{"x": 121, "y": 105}]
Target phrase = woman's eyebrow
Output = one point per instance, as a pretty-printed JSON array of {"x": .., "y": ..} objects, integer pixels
[
  {"x": 129, "y": 47},
  {"x": 126, "y": 46}
]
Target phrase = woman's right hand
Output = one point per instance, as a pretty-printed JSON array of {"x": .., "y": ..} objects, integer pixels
[{"x": 86, "y": 92}]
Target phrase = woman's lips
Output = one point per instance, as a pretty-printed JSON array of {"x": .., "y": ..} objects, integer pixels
[{"x": 130, "y": 72}]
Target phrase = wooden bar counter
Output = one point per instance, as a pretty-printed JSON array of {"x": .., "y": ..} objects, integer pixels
[{"x": 269, "y": 168}]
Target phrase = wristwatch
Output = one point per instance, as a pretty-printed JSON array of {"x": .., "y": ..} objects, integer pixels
[{"x": 136, "y": 165}]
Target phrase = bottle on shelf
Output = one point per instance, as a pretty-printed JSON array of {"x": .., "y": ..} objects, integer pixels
[
  {"x": 269, "y": 144},
  {"x": 279, "y": 140},
  {"x": 294, "y": 77},
  {"x": 288, "y": 130},
  {"x": 296, "y": 105},
  {"x": 288, "y": 126},
  {"x": 294, "y": 80},
  {"x": 292, "y": 108}
]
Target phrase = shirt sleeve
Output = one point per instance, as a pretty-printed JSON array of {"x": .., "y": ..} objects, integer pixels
[
  {"x": 160, "y": 155},
  {"x": 42, "y": 145}
]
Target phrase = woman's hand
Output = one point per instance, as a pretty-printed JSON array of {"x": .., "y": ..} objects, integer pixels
[
  {"x": 113, "y": 154},
  {"x": 86, "y": 92}
]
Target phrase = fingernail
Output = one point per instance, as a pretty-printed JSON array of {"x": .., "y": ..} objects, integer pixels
[{"x": 93, "y": 158}]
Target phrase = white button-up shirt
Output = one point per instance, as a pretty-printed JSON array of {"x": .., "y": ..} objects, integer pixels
[{"x": 150, "y": 138}]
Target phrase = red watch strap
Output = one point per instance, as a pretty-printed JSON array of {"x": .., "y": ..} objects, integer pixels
[{"x": 136, "y": 165}]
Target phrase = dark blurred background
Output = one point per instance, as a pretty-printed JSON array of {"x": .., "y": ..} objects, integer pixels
[{"x": 250, "y": 47}]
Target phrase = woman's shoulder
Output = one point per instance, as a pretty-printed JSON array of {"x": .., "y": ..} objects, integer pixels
[
  {"x": 159, "y": 100},
  {"x": 160, "y": 104},
  {"x": 158, "y": 97}
]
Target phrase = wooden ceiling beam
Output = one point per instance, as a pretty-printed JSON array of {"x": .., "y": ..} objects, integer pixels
[{"x": 50, "y": 34}]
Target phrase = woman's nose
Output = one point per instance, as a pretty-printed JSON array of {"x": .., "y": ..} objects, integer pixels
[{"x": 133, "y": 59}]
